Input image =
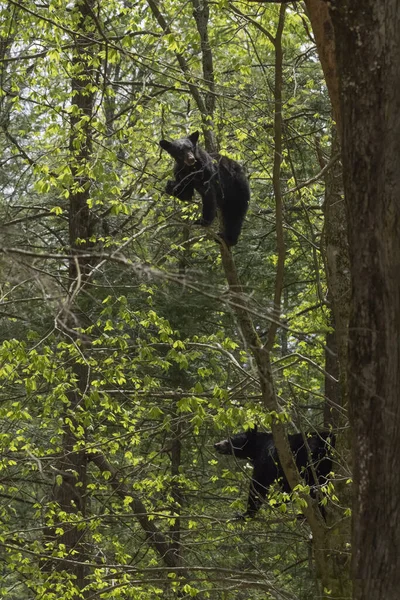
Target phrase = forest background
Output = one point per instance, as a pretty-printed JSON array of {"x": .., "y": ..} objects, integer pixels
[{"x": 130, "y": 340}]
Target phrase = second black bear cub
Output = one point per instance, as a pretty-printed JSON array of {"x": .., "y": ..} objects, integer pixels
[
  {"x": 315, "y": 457},
  {"x": 220, "y": 181}
]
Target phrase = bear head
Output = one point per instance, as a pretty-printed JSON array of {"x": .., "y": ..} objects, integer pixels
[
  {"x": 183, "y": 150},
  {"x": 240, "y": 445}
]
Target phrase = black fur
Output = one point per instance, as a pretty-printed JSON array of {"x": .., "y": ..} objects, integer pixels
[
  {"x": 259, "y": 448},
  {"x": 220, "y": 181}
]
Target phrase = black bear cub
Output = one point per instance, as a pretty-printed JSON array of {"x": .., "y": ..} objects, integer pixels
[
  {"x": 260, "y": 449},
  {"x": 220, "y": 181}
]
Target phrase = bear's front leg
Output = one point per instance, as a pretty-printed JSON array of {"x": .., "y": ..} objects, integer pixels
[
  {"x": 183, "y": 190},
  {"x": 209, "y": 211},
  {"x": 170, "y": 187}
]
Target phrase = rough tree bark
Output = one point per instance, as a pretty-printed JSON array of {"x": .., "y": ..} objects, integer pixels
[{"x": 368, "y": 58}]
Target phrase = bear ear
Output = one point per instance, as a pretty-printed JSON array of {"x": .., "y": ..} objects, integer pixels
[
  {"x": 252, "y": 430},
  {"x": 165, "y": 145},
  {"x": 193, "y": 137}
]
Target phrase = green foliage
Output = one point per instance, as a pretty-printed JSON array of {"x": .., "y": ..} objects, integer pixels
[{"x": 142, "y": 360}]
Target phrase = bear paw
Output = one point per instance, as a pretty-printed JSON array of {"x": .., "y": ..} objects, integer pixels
[
  {"x": 202, "y": 222},
  {"x": 170, "y": 187}
]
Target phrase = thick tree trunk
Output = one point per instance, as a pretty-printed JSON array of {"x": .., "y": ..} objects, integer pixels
[{"x": 368, "y": 42}]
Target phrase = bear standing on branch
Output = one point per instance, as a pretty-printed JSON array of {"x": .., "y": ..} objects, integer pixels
[
  {"x": 220, "y": 181},
  {"x": 312, "y": 453}
]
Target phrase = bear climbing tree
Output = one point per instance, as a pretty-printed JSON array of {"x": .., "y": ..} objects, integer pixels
[
  {"x": 313, "y": 456},
  {"x": 220, "y": 181}
]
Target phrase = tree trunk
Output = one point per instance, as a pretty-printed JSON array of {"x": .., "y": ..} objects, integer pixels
[
  {"x": 336, "y": 258},
  {"x": 176, "y": 488},
  {"x": 321, "y": 23},
  {"x": 368, "y": 56},
  {"x": 276, "y": 180},
  {"x": 70, "y": 490},
  {"x": 335, "y": 230}
]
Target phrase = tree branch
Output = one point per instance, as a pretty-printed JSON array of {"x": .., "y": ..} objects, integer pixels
[{"x": 155, "y": 538}]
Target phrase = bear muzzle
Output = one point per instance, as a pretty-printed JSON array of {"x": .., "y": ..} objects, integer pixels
[
  {"x": 189, "y": 159},
  {"x": 223, "y": 447}
]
